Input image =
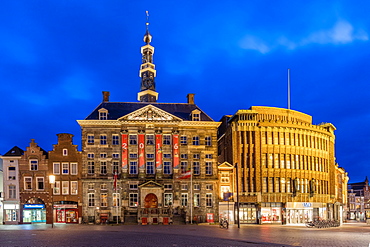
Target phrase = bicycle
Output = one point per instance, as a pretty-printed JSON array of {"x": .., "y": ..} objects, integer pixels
[{"x": 224, "y": 223}]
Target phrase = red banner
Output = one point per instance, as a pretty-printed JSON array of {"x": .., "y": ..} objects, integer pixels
[
  {"x": 141, "y": 150},
  {"x": 175, "y": 151},
  {"x": 124, "y": 151},
  {"x": 158, "y": 151}
]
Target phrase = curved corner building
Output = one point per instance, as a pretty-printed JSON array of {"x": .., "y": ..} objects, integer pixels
[{"x": 285, "y": 165}]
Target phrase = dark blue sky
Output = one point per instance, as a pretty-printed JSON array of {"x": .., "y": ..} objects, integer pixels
[{"x": 57, "y": 56}]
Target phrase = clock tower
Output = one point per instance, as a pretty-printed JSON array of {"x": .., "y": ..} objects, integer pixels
[{"x": 147, "y": 69}]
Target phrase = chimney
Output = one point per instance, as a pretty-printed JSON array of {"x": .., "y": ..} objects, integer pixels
[
  {"x": 190, "y": 98},
  {"x": 106, "y": 96}
]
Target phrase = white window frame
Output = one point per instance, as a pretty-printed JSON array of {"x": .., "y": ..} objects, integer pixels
[
  {"x": 91, "y": 199},
  {"x": 90, "y": 139},
  {"x": 116, "y": 200},
  {"x": 74, "y": 169},
  {"x": 65, "y": 168},
  {"x": 40, "y": 179},
  {"x": 103, "y": 139},
  {"x": 36, "y": 165},
  {"x": 168, "y": 199},
  {"x": 184, "y": 199},
  {"x": 209, "y": 200},
  {"x": 74, "y": 187},
  {"x": 56, "y": 190},
  {"x": 115, "y": 140},
  {"x": 56, "y": 168},
  {"x": 12, "y": 191},
  {"x": 65, "y": 187},
  {"x": 65, "y": 152},
  {"x": 196, "y": 201},
  {"x": 103, "y": 199},
  {"x": 12, "y": 173},
  {"x": 25, "y": 183}
]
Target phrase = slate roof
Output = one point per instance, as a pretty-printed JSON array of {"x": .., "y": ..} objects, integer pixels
[
  {"x": 120, "y": 109},
  {"x": 15, "y": 151}
]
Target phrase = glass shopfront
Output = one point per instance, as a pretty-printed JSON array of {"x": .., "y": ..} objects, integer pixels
[
  {"x": 34, "y": 213},
  {"x": 247, "y": 213},
  {"x": 271, "y": 212},
  {"x": 301, "y": 212},
  {"x": 11, "y": 212},
  {"x": 66, "y": 213}
]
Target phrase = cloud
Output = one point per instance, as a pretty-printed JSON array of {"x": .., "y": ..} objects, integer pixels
[
  {"x": 341, "y": 33},
  {"x": 254, "y": 43}
]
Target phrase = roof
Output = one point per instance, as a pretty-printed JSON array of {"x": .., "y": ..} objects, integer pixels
[
  {"x": 117, "y": 110},
  {"x": 15, "y": 151}
]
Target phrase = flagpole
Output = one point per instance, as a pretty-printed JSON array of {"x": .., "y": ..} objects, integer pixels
[{"x": 191, "y": 195}]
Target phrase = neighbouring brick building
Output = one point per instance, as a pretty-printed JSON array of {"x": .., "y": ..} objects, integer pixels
[
  {"x": 35, "y": 200},
  {"x": 65, "y": 163}
]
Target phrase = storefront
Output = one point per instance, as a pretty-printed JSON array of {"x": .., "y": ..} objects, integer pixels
[
  {"x": 227, "y": 210},
  {"x": 34, "y": 213},
  {"x": 248, "y": 213},
  {"x": 297, "y": 213},
  {"x": 271, "y": 212},
  {"x": 11, "y": 213},
  {"x": 65, "y": 213}
]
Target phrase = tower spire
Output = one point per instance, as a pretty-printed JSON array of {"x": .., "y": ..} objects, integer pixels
[{"x": 147, "y": 69}]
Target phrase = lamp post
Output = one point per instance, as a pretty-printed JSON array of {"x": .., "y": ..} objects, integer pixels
[{"x": 52, "y": 184}]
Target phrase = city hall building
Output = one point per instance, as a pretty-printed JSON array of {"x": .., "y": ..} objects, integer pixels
[
  {"x": 149, "y": 162},
  {"x": 284, "y": 166}
]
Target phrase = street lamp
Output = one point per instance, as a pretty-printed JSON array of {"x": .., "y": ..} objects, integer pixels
[{"x": 52, "y": 184}]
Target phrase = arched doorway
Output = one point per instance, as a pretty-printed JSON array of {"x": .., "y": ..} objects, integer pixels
[
  {"x": 151, "y": 201},
  {"x": 34, "y": 211}
]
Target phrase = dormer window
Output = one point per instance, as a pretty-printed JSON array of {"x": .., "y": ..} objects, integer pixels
[
  {"x": 103, "y": 114},
  {"x": 195, "y": 115}
]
